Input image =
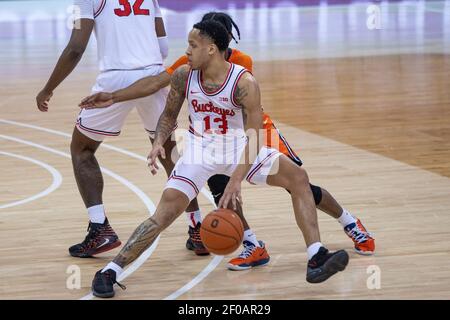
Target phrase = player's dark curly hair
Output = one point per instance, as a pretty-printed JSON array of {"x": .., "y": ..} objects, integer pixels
[
  {"x": 215, "y": 31},
  {"x": 226, "y": 20}
]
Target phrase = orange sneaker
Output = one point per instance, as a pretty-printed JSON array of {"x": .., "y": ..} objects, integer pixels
[
  {"x": 252, "y": 256},
  {"x": 364, "y": 242}
]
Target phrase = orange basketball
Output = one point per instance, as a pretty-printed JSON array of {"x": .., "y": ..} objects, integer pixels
[{"x": 222, "y": 231}]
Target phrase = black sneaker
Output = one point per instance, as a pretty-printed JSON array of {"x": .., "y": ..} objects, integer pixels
[
  {"x": 100, "y": 238},
  {"x": 325, "y": 264},
  {"x": 103, "y": 284},
  {"x": 194, "y": 242}
]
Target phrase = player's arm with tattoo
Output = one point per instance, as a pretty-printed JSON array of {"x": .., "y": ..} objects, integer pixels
[{"x": 168, "y": 118}]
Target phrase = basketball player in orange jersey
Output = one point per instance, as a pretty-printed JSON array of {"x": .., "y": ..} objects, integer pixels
[
  {"x": 132, "y": 44},
  {"x": 254, "y": 253},
  {"x": 225, "y": 114}
]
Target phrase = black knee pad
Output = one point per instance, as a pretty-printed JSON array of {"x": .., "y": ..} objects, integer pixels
[
  {"x": 217, "y": 184},
  {"x": 317, "y": 193}
]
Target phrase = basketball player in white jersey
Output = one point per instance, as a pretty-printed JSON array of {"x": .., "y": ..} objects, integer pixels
[
  {"x": 224, "y": 106},
  {"x": 132, "y": 44}
]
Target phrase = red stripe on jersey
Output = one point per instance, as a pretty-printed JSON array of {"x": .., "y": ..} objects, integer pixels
[{"x": 188, "y": 84}]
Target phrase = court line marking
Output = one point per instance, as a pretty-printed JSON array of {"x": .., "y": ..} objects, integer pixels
[
  {"x": 56, "y": 183},
  {"x": 148, "y": 203},
  {"x": 199, "y": 278},
  {"x": 194, "y": 281}
]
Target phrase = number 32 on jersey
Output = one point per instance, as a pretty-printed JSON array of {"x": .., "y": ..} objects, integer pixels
[{"x": 128, "y": 9}]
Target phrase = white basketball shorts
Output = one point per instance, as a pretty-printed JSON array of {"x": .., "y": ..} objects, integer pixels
[
  {"x": 100, "y": 123},
  {"x": 190, "y": 176}
]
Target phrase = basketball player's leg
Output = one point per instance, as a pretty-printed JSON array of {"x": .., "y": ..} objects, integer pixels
[
  {"x": 92, "y": 127},
  {"x": 322, "y": 198},
  {"x": 255, "y": 252},
  {"x": 181, "y": 188},
  {"x": 193, "y": 213},
  {"x": 295, "y": 179},
  {"x": 87, "y": 170},
  {"x": 278, "y": 170},
  {"x": 172, "y": 204},
  {"x": 363, "y": 242}
]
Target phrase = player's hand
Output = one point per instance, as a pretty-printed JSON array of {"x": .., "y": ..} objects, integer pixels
[
  {"x": 157, "y": 151},
  {"x": 232, "y": 193},
  {"x": 42, "y": 100},
  {"x": 97, "y": 101}
]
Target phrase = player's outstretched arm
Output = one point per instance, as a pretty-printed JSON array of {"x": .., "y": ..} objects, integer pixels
[
  {"x": 248, "y": 96},
  {"x": 67, "y": 61},
  {"x": 141, "y": 88},
  {"x": 168, "y": 118}
]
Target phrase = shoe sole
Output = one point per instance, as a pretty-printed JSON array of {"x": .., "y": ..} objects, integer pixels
[
  {"x": 336, "y": 263},
  {"x": 234, "y": 267},
  {"x": 103, "y": 295},
  {"x": 202, "y": 253},
  {"x": 198, "y": 252},
  {"x": 364, "y": 253},
  {"x": 90, "y": 254}
]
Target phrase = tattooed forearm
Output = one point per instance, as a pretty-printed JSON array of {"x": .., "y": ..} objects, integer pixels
[
  {"x": 140, "y": 240},
  {"x": 175, "y": 100},
  {"x": 167, "y": 121}
]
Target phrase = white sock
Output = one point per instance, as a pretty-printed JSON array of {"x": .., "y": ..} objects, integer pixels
[
  {"x": 250, "y": 236},
  {"x": 313, "y": 249},
  {"x": 97, "y": 214},
  {"x": 115, "y": 267},
  {"x": 194, "y": 217},
  {"x": 346, "y": 218}
]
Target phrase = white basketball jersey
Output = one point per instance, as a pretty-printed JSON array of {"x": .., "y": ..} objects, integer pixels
[
  {"x": 215, "y": 113},
  {"x": 125, "y": 33}
]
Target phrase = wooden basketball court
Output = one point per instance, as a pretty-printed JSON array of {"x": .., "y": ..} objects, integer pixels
[{"x": 372, "y": 127}]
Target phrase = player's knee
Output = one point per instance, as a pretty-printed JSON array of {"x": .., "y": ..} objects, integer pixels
[
  {"x": 74, "y": 147},
  {"x": 171, "y": 195},
  {"x": 82, "y": 145},
  {"x": 172, "y": 204},
  {"x": 80, "y": 152},
  {"x": 174, "y": 200},
  {"x": 317, "y": 193},
  {"x": 217, "y": 185},
  {"x": 299, "y": 181}
]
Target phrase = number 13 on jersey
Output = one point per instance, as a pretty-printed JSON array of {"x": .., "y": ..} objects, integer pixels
[{"x": 223, "y": 124}]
